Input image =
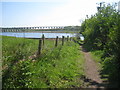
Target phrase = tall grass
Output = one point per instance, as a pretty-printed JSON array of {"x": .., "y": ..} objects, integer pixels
[
  {"x": 58, "y": 67},
  {"x": 14, "y": 49}
]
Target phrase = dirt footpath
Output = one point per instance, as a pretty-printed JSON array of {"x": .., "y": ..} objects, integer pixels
[{"x": 91, "y": 71}]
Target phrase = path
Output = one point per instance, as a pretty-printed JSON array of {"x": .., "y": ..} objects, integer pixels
[{"x": 91, "y": 71}]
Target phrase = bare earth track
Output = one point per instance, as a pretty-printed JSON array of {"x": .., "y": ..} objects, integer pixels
[{"x": 91, "y": 72}]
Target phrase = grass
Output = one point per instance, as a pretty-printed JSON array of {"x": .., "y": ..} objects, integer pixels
[
  {"x": 107, "y": 68},
  {"x": 96, "y": 55},
  {"x": 59, "y": 67},
  {"x": 14, "y": 49}
]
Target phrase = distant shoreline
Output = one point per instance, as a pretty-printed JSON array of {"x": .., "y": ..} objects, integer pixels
[{"x": 47, "y": 32}]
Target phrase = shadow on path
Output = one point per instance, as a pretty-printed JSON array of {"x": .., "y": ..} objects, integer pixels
[
  {"x": 92, "y": 77},
  {"x": 94, "y": 84}
]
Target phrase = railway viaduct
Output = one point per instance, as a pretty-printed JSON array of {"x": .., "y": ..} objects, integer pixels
[{"x": 15, "y": 29}]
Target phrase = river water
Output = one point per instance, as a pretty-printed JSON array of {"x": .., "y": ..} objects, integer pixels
[{"x": 38, "y": 35}]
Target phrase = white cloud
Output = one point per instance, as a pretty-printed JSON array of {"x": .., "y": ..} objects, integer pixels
[{"x": 69, "y": 14}]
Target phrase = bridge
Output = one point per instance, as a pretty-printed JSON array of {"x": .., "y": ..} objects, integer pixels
[{"x": 15, "y": 29}]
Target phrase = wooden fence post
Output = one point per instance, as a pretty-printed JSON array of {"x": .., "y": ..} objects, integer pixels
[
  {"x": 70, "y": 38},
  {"x": 39, "y": 47},
  {"x": 56, "y": 43},
  {"x": 63, "y": 40},
  {"x": 67, "y": 38},
  {"x": 43, "y": 38}
]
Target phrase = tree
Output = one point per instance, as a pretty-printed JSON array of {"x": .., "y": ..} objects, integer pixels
[{"x": 102, "y": 32}]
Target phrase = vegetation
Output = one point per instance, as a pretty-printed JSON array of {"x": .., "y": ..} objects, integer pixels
[
  {"x": 102, "y": 33},
  {"x": 56, "y": 67},
  {"x": 72, "y": 28},
  {"x": 62, "y": 66},
  {"x": 14, "y": 49}
]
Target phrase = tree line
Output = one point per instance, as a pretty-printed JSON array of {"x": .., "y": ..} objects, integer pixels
[{"x": 102, "y": 32}]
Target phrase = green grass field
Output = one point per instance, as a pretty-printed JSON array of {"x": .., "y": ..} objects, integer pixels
[{"x": 57, "y": 67}]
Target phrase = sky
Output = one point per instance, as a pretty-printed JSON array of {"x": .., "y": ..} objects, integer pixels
[{"x": 22, "y": 13}]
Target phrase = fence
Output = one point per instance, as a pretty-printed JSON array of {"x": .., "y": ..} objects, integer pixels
[{"x": 42, "y": 42}]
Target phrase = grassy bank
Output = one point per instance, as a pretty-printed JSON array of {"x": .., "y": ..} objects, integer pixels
[
  {"x": 106, "y": 68},
  {"x": 96, "y": 55},
  {"x": 58, "y": 67}
]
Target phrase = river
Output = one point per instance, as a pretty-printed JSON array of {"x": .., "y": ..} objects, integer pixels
[{"x": 39, "y": 35}]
